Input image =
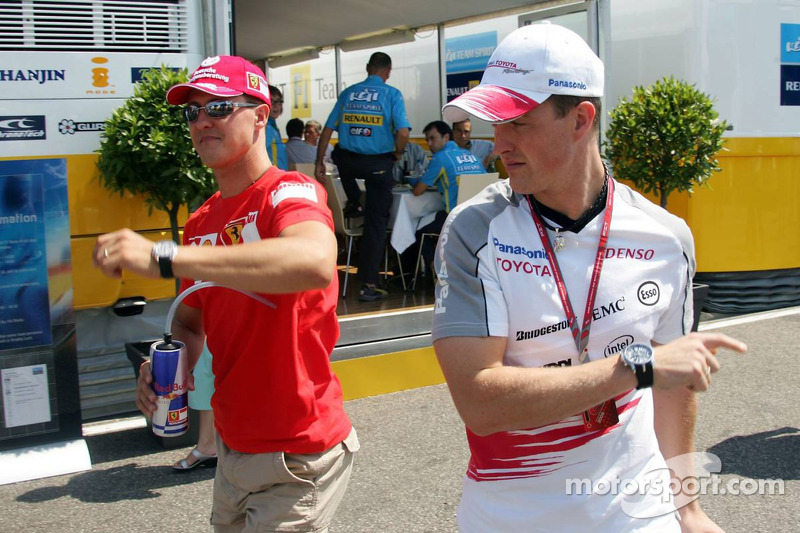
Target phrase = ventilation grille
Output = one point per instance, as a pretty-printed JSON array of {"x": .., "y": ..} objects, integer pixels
[{"x": 31, "y": 25}]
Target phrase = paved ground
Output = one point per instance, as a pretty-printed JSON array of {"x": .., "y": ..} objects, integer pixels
[{"x": 407, "y": 476}]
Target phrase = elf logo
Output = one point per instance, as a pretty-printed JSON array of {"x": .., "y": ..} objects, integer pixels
[{"x": 648, "y": 293}]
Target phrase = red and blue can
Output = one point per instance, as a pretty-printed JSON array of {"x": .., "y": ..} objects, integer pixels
[{"x": 169, "y": 365}]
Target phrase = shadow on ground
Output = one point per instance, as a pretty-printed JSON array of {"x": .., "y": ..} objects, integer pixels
[{"x": 766, "y": 455}]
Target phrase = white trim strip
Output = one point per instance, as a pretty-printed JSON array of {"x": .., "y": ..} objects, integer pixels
[
  {"x": 755, "y": 317},
  {"x": 93, "y": 429}
]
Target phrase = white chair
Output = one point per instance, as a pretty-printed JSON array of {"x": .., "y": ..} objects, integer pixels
[
  {"x": 468, "y": 186},
  {"x": 471, "y": 184},
  {"x": 305, "y": 168}
]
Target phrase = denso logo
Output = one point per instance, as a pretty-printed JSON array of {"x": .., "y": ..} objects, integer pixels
[
  {"x": 365, "y": 95},
  {"x": 618, "y": 344},
  {"x": 648, "y": 293},
  {"x": 630, "y": 253},
  {"x": 466, "y": 158},
  {"x": 518, "y": 250}
]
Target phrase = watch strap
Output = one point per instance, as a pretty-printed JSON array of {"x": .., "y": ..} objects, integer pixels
[
  {"x": 165, "y": 265},
  {"x": 644, "y": 375}
]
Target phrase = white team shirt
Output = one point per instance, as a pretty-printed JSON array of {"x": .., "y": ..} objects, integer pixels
[{"x": 495, "y": 280}]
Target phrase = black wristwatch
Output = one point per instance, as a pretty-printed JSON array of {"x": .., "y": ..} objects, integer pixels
[
  {"x": 639, "y": 358},
  {"x": 164, "y": 252}
]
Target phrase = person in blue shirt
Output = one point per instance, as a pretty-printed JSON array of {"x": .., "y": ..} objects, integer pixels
[
  {"x": 275, "y": 147},
  {"x": 370, "y": 118},
  {"x": 448, "y": 162}
]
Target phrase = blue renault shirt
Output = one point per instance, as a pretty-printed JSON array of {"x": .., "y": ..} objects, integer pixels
[
  {"x": 275, "y": 147},
  {"x": 367, "y": 115},
  {"x": 445, "y": 165}
]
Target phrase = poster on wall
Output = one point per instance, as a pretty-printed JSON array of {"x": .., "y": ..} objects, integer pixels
[
  {"x": 465, "y": 60},
  {"x": 790, "y": 64},
  {"x": 38, "y": 357}
]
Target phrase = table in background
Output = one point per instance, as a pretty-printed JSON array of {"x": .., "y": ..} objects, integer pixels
[{"x": 410, "y": 213}]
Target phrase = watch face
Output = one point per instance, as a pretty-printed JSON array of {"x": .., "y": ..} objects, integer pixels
[
  {"x": 639, "y": 354},
  {"x": 164, "y": 249}
]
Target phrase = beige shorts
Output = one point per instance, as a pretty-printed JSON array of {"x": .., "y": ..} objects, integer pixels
[{"x": 280, "y": 491}]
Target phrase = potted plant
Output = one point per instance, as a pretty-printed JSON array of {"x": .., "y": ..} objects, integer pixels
[
  {"x": 146, "y": 150},
  {"x": 665, "y": 138}
]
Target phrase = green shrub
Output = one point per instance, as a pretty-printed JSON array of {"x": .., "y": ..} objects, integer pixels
[
  {"x": 665, "y": 138},
  {"x": 146, "y": 149}
]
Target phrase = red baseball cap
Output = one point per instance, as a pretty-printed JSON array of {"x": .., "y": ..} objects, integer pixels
[{"x": 223, "y": 76}]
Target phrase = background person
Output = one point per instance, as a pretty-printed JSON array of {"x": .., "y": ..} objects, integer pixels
[
  {"x": 448, "y": 162},
  {"x": 283, "y": 436},
  {"x": 297, "y": 150},
  {"x": 205, "y": 452},
  {"x": 373, "y": 131},
  {"x": 275, "y": 147},
  {"x": 531, "y": 311},
  {"x": 311, "y": 134},
  {"x": 412, "y": 164},
  {"x": 483, "y": 150}
]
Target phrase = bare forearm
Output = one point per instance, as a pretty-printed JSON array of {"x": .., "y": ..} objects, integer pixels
[
  {"x": 322, "y": 144},
  {"x": 401, "y": 140},
  {"x": 503, "y": 398},
  {"x": 275, "y": 266},
  {"x": 675, "y": 414}
]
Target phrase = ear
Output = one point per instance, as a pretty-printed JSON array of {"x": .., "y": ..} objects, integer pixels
[
  {"x": 585, "y": 113},
  {"x": 262, "y": 116}
]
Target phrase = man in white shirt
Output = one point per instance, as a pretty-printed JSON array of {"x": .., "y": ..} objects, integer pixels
[{"x": 567, "y": 431}]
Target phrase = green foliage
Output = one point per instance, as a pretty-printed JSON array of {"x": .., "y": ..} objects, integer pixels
[
  {"x": 146, "y": 149},
  {"x": 665, "y": 138}
]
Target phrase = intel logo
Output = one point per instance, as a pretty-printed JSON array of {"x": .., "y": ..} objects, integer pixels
[{"x": 617, "y": 345}]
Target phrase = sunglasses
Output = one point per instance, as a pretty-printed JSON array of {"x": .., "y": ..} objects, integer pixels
[{"x": 213, "y": 110}]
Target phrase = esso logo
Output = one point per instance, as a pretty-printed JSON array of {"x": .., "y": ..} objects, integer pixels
[{"x": 648, "y": 293}]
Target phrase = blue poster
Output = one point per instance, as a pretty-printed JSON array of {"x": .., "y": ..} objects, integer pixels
[
  {"x": 34, "y": 251},
  {"x": 790, "y": 43},
  {"x": 470, "y": 52},
  {"x": 790, "y": 64},
  {"x": 465, "y": 60}
]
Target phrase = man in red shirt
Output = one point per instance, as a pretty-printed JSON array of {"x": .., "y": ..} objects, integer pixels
[{"x": 285, "y": 444}]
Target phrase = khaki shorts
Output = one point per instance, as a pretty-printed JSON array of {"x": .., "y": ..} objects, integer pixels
[{"x": 280, "y": 491}]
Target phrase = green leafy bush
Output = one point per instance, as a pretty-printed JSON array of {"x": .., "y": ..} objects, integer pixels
[
  {"x": 665, "y": 138},
  {"x": 146, "y": 149}
]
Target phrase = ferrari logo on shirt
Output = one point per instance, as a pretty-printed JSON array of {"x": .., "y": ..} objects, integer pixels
[{"x": 232, "y": 233}]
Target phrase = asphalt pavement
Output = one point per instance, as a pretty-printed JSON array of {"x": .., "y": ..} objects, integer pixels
[{"x": 408, "y": 473}]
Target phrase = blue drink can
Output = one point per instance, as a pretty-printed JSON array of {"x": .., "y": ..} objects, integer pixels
[{"x": 169, "y": 365}]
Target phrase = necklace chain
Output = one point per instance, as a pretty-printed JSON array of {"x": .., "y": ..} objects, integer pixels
[{"x": 581, "y": 221}]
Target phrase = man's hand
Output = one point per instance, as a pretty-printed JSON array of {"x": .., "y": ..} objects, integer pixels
[
  {"x": 125, "y": 250},
  {"x": 145, "y": 396},
  {"x": 319, "y": 171},
  {"x": 690, "y": 360}
]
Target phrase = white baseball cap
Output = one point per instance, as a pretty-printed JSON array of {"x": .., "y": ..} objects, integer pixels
[{"x": 529, "y": 65}]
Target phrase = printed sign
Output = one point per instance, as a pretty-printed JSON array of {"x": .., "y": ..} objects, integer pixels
[{"x": 790, "y": 64}]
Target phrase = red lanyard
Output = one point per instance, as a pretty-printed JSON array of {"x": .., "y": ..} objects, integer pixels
[{"x": 581, "y": 336}]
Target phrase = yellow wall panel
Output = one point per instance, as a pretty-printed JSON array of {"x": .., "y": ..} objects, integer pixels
[{"x": 381, "y": 374}]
